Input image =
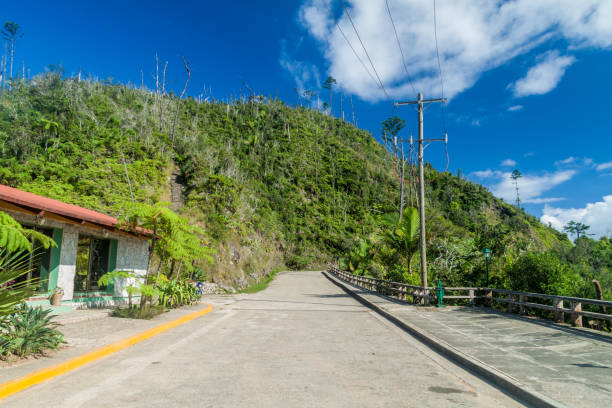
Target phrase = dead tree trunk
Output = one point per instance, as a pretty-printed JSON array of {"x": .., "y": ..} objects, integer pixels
[{"x": 178, "y": 101}]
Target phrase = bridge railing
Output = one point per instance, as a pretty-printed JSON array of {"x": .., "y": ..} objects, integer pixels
[{"x": 515, "y": 301}]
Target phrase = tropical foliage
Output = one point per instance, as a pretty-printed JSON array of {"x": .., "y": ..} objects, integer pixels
[
  {"x": 174, "y": 293},
  {"x": 29, "y": 331},
  {"x": 15, "y": 247}
]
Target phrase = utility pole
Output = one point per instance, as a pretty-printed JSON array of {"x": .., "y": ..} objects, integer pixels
[{"x": 421, "y": 105}]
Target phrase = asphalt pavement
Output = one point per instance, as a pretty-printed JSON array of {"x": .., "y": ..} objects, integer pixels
[{"x": 303, "y": 342}]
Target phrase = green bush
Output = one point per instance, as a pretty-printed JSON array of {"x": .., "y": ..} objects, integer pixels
[
  {"x": 175, "y": 293},
  {"x": 29, "y": 331},
  {"x": 537, "y": 272}
]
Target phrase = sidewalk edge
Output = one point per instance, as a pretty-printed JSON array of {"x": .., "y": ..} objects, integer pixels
[{"x": 514, "y": 388}]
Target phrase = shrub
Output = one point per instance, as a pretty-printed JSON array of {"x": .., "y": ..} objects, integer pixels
[
  {"x": 29, "y": 331},
  {"x": 175, "y": 293},
  {"x": 537, "y": 272}
]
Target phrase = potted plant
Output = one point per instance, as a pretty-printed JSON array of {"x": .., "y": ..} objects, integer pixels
[{"x": 56, "y": 296}]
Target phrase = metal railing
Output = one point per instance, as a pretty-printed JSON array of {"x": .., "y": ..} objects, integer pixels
[{"x": 517, "y": 302}]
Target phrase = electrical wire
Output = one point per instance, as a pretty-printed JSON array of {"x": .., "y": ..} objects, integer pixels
[
  {"x": 439, "y": 64},
  {"x": 400, "y": 47},
  {"x": 365, "y": 50},
  {"x": 442, "y": 89},
  {"x": 357, "y": 55}
]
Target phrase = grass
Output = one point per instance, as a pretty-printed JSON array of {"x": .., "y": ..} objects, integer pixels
[
  {"x": 259, "y": 286},
  {"x": 134, "y": 312}
]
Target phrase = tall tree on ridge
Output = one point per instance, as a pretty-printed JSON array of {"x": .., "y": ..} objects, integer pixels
[
  {"x": 576, "y": 228},
  {"x": 515, "y": 176},
  {"x": 11, "y": 32},
  {"x": 329, "y": 84},
  {"x": 390, "y": 128}
]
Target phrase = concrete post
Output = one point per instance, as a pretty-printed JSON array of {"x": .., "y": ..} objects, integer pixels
[
  {"x": 471, "y": 295},
  {"x": 559, "y": 315},
  {"x": 511, "y": 298},
  {"x": 576, "y": 318}
]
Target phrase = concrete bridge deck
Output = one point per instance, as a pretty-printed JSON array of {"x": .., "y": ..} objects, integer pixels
[
  {"x": 303, "y": 342},
  {"x": 572, "y": 366}
]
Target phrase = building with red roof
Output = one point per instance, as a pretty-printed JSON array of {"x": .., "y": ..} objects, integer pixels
[{"x": 89, "y": 244}]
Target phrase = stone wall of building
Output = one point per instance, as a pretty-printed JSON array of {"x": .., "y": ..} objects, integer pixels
[
  {"x": 68, "y": 254},
  {"x": 132, "y": 256}
]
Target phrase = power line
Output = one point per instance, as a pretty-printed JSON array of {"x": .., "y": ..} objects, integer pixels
[
  {"x": 365, "y": 50},
  {"x": 439, "y": 65},
  {"x": 400, "y": 47},
  {"x": 357, "y": 55}
]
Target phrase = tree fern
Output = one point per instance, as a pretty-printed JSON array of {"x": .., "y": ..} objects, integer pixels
[{"x": 14, "y": 237}]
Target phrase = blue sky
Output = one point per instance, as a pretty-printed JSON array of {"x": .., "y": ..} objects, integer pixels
[{"x": 528, "y": 82}]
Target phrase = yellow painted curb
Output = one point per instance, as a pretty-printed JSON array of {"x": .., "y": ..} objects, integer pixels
[{"x": 44, "y": 374}]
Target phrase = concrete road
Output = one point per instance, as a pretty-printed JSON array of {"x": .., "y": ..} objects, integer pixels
[{"x": 301, "y": 343}]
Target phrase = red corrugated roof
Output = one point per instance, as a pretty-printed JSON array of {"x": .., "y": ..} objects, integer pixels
[{"x": 34, "y": 201}]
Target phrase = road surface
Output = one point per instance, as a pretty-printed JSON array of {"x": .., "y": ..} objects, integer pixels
[{"x": 302, "y": 342}]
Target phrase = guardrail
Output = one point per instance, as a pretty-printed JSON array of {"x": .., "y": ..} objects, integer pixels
[{"x": 517, "y": 302}]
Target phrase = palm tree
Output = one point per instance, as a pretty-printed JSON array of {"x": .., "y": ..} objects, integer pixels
[{"x": 403, "y": 235}]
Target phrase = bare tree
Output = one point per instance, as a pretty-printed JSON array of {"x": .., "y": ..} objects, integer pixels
[
  {"x": 178, "y": 101},
  {"x": 160, "y": 90},
  {"x": 11, "y": 32}
]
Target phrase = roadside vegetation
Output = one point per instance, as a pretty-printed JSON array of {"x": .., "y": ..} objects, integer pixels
[
  {"x": 24, "y": 330},
  {"x": 261, "y": 285}
]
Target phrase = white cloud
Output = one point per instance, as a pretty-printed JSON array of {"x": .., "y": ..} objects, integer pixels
[
  {"x": 305, "y": 75},
  {"x": 473, "y": 36},
  {"x": 543, "y": 77},
  {"x": 604, "y": 166},
  {"x": 576, "y": 162},
  {"x": 315, "y": 16},
  {"x": 569, "y": 160},
  {"x": 597, "y": 215},
  {"x": 484, "y": 173},
  {"x": 531, "y": 187},
  {"x": 515, "y": 108},
  {"x": 508, "y": 163}
]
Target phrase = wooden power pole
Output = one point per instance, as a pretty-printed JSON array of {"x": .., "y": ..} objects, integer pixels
[{"x": 421, "y": 104}]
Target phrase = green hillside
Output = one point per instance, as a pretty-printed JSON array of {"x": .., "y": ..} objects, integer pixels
[{"x": 272, "y": 185}]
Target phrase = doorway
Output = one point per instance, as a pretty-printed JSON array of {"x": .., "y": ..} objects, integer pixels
[{"x": 91, "y": 263}]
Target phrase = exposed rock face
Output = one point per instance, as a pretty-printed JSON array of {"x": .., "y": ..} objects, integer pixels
[{"x": 210, "y": 288}]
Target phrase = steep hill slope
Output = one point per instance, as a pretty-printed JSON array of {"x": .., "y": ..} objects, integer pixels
[{"x": 271, "y": 184}]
